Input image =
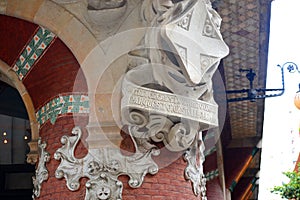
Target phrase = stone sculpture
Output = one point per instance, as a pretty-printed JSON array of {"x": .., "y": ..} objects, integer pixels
[
  {"x": 166, "y": 96},
  {"x": 41, "y": 172}
]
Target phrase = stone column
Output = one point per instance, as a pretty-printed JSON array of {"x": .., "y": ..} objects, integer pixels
[{"x": 148, "y": 108}]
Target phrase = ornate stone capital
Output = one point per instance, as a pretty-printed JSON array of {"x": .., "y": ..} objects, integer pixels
[
  {"x": 166, "y": 94},
  {"x": 162, "y": 116},
  {"x": 33, "y": 155}
]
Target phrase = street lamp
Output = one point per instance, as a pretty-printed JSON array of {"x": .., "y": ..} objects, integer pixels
[
  {"x": 292, "y": 68},
  {"x": 261, "y": 93},
  {"x": 297, "y": 99},
  {"x": 251, "y": 93}
]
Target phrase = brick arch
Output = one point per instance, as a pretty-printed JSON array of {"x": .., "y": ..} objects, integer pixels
[
  {"x": 48, "y": 79},
  {"x": 41, "y": 60},
  {"x": 58, "y": 20},
  {"x": 68, "y": 28},
  {"x": 32, "y": 16},
  {"x": 6, "y": 70}
]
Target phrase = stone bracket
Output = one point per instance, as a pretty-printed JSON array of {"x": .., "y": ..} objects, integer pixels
[
  {"x": 102, "y": 167},
  {"x": 175, "y": 120}
]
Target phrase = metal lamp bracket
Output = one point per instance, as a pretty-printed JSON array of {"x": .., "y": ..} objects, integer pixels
[{"x": 261, "y": 93}]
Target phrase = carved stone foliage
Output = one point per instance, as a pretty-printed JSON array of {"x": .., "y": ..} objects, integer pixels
[
  {"x": 162, "y": 116},
  {"x": 103, "y": 167},
  {"x": 167, "y": 91},
  {"x": 41, "y": 172},
  {"x": 194, "y": 156},
  {"x": 154, "y": 115}
]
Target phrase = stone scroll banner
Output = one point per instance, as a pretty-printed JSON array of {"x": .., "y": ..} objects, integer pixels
[{"x": 168, "y": 104}]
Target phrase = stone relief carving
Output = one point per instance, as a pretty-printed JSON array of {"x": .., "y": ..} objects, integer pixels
[
  {"x": 161, "y": 116},
  {"x": 103, "y": 167},
  {"x": 101, "y": 5},
  {"x": 97, "y": 4},
  {"x": 103, "y": 12},
  {"x": 102, "y": 17},
  {"x": 41, "y": 172},
  {"x": 194, "y": 156},
  {"x": 166, "y": 95}
]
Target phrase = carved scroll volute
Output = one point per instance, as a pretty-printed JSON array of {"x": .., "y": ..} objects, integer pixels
[
  {"x": 41, "y": 172},
  {"x": 159, "y": 128},
  {"x": 102, "y": 167},
  {"x": 167, "y": 94},
  {"x": 169, "y": 97},
  {"x": 163, "y": 116},
  {"x": 70, "y": 168}
]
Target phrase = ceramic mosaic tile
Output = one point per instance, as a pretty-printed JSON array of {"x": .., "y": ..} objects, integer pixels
[
  {"x": 211, "y": 175},
  {"x": 62, "y": 105},
  {"x": 40, "y": 41},
  {"x": 209, "y": 135},
  {"x": 210, "y": 151}
]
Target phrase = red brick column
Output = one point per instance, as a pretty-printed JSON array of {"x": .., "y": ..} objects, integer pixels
[
  {"x": 168, "y": 184},
  {"x": 53, "y": 188}
]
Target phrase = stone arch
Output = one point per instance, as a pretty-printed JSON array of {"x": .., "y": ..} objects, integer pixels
[
  {"x": 67, "y": 28},
  {"x": 75, "y": 34},
  {"x": 33, "y": 144},
  {"x": 58, "y": 20}
]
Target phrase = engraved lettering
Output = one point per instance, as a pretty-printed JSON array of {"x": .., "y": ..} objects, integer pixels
[{"x": 171, "y": 104}]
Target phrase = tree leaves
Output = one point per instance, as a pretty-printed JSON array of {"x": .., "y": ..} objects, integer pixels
[{"x": 289, "y": 190}]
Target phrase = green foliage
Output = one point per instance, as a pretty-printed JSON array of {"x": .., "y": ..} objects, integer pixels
[{"x": 290, "y": 190}]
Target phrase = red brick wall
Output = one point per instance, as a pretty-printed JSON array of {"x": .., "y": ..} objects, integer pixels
[
  {"x": 53, "y": 188},
  {"x": 15, "y": 34},
  {"x": 167, "y": 184},
  {"x": 214, "y": 190},
  {"x": 57, "y": 72}
]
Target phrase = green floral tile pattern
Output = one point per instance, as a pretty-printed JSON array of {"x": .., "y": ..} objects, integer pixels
[
  {"x": 211, "y": 175},
  {"x": 210, "y": 151},
  {"x": 40, "y": 41},
  {"x": 62, "y": 105},
  {"x": 209, "y": 135}
]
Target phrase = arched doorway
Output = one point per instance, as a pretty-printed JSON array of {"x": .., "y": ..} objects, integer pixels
[{"x": 15, "y": 133}]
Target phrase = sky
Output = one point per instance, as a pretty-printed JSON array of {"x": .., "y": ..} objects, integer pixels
[{"x": 281, "y": 123}]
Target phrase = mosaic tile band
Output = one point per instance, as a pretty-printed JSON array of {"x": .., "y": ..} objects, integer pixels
[
  {"x": 210, "y": 151},
  {"x": 63, "y": 105},
  {"x": 211, "y": 175},
  {"x": 33, "y": 51}
]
